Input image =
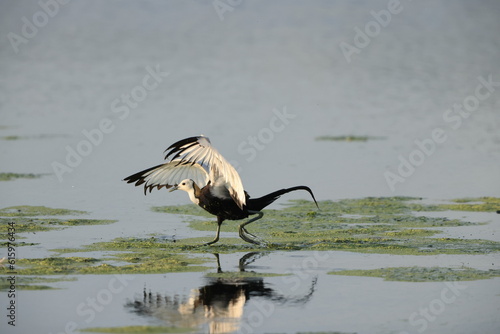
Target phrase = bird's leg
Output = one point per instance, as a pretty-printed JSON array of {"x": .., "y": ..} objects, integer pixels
[
  {"x": 244, "y": 233},
  {"x": 242, "y": 226},
  {"x": 219, "y": 223},
  {"x": 219, "y": 270}
]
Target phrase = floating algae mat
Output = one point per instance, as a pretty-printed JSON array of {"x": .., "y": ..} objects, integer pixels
[
  {"x": 27, "y": 219},
  {"x": 372, "y": 225},
  {"x": 348, "y": 138},
  {"x": 41, "y": 136},
  {"x": 134, "y": 257},
  {"x": 13, "y": 176},
  {"x": 387, "y": 225},
  {"x": 28, "y": 210},
  {"x": 33, "y": 283},
  {"x": 17, "y": 220},
  {"x": 139, "y": 262},
  {"x": 422, "y": 274}
]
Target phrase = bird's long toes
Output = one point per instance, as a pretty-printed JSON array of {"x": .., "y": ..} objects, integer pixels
[
  {"x": 248, "y": 233},
  {"x": 210, "y": 242},
  {"x": 245, "y": 237},
  {"x": 253, "y": 239},
  {"x": 260, "y": 242}
]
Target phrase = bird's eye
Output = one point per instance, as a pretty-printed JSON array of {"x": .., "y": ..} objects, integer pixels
[{"x": 183, "y": 183}]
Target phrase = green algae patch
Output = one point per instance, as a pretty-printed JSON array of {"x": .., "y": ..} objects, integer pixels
[
  {"x": 388, "y": 225},
  {"x": 40, "y": 224},
  {"x": 32, "y": 225},
  {"x": 423, "y": 274},
  {"x": 11, "y": 137},
  {"x": 483, "y": 204},
  {"x": 27, "y": 219},
  {"x": 135, "y": 263},
  {"x": 20, "y": 220},
  {"x": 137, "y": 329},
  {"x": 362, "y": 206},
  {"x": 51, "y": 265},
  {"x": 41, "y": 136},
  {"x": 124, "y": 256},
  {"x": 28, "y": 210},
  {"x": 410, "y": 233},
  {"x": 350, "y": 138},
  {"x": 13, "y": 176},
  {"x": 32, "y": 282},
  {"x": 140, "y": 256},
  {"x": 81, "y": 222},
  {"x": 401, "y": 204}
]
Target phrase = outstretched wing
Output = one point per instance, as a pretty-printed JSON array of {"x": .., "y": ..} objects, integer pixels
[
  {"x": 168, "y": 175},
  {"x": 198, "y": 150}
]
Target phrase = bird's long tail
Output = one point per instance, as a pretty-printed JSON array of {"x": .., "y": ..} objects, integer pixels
[{"x": 257, "y": 204}]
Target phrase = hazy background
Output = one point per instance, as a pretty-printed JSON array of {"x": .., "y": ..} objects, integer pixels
[
  {"x": 230, "y": 73},
  {"x": 226, "y": 77}
]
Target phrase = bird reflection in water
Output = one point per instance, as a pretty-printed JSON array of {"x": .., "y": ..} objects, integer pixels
[{"x": 218, "y": 305}]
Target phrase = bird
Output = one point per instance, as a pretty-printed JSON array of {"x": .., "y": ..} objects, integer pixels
[{"x": 196, "y": 167}]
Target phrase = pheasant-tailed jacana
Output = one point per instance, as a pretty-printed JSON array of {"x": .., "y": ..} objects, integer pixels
[{"x": 196, "y": 167}]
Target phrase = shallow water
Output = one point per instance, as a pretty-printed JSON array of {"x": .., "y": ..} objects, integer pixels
[
  {"x": 265, "y": 302},
  {"x": 231, "y": 80}
]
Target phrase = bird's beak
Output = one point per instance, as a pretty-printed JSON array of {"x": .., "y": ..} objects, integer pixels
[{"x": 174, "y": 188}]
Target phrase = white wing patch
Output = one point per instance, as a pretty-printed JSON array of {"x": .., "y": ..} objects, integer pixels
[
  {"x": 168, "y": 175},
  {"x": 199, "y": 150}
]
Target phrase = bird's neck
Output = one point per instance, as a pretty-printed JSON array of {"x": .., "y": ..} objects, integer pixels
[{"x": 194, "y": 194}]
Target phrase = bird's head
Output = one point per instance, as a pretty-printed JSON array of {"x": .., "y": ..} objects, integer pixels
[{"x": 186, "y": 185}]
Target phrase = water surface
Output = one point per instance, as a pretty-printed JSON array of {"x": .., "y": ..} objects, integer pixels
[{"x": 271, "y": 71}]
